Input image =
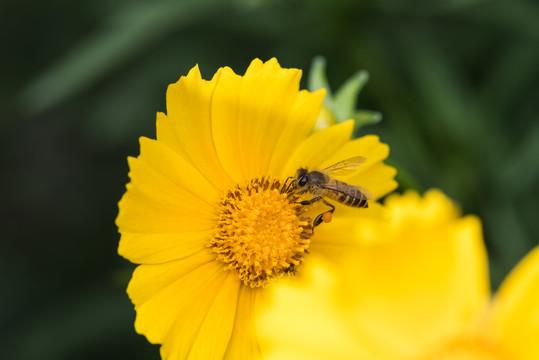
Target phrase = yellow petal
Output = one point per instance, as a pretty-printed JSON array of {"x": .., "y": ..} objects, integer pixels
[
  {"x": 243, "y": 343},
  {"x": 250, "y": 114},
  {"x": 212, "y": 338},
  {"x": 516, "y": 309},
  {"x": 336, "y": 238},
  {"x": 163, "y": 215},
  {"x": 149, "y": 280},
  {"x": 189, "y": 306},
  {"x": 187, "y": 126},
  {"x": 178, "y": 170},
  {"x": 145, "y": 215},
  {"x": 306, "y": 108},
  {"x": 159, "y": 187},
  {"x": 166, "y": 194},
  {"x": 368, "y": 146},
  {"x": 302, "y": 320},
  {"x": 374, "y": 175},
  {"x": 317, "y": 148},
  {"x": 409, "y": 210},
  {"x": 378, "y": 179},
  {"x": 154, "y": 248},
  {"x": 202, "y": 329},
  {"x": 179, "y": 306},
  {"x": 167, "y": 135}
]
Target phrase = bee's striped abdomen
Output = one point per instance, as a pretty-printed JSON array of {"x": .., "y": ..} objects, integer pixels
[{"x": 348, "y": 195}]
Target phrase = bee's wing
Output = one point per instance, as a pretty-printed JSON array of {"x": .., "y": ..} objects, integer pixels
[
  {"x": 335, "y": 187},
  {"x": 365, "y": 192},
  {"x": 346, "y": 166}
]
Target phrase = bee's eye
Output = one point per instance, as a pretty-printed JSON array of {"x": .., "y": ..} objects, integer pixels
[{"x": 302, "y": 180}]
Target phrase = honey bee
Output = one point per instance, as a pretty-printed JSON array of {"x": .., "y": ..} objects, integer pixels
[{"x": 321, "y": 184}]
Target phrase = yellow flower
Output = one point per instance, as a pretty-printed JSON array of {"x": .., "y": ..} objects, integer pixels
[
  {"x": 417, "y": 290},
  {"x": 204, "y": 213}
]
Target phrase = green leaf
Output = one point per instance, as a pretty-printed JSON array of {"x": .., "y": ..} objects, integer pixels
[
  {"x": 366, "y": 117},
  {"x": 342, "y": 106},
  {"x": 346, "y": 96},
  {"x": 317, "y": 77}
]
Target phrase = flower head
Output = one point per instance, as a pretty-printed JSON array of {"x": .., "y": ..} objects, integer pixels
[
  {"x": 205, "y": 213},
  {"x": 417, "y": 290}
]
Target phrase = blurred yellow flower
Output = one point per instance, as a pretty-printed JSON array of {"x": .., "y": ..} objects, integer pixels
[
  {"x": 204, "y": 215},
  {"x": 417, "y": 290}
]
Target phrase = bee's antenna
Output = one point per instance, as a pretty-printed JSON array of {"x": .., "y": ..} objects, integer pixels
[
  {"x": 292, "y": 183},
  {"x": 285, "y": 184}
]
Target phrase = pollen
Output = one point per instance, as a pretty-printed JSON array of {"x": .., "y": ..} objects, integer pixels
[{"x": 262, "y": 232}]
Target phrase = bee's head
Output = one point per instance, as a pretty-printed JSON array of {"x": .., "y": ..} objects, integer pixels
[{"x": 302, "y": 180}]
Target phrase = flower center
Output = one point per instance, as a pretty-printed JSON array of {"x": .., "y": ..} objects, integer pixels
[
  {"x": 467, "y": 349},
  {"x": 261, "y": 233}
]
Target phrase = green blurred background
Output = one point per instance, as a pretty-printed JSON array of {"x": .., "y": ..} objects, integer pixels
[{"x": 457, "y": 82}]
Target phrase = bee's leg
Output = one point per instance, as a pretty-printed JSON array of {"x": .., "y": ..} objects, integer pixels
[
  {"x": 312, "y": 201},
  {"x": 317, "y": 221},
  {"x": 325, "y": 216},
  {"x": 328, "y": 215},
  {"x": 330, "y": 205},
  {"x": 285, "y": 188},
  {"x": 290, "y": 269}
]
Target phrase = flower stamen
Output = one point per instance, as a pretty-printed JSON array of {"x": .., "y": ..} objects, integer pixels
[{"x": 261, "y": 233}]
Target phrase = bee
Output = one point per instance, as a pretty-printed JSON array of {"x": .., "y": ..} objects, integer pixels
[{"x": 321, "y": 184}]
